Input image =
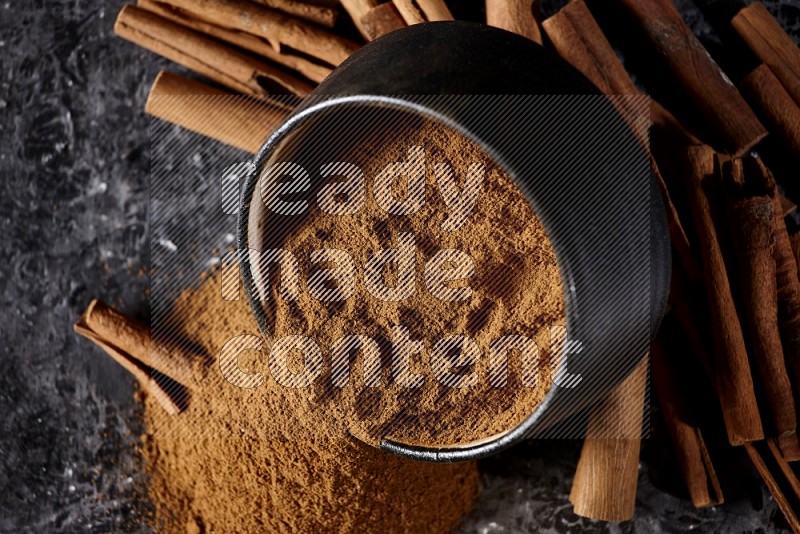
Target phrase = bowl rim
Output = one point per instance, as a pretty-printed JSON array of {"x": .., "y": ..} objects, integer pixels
[{"x": 452, "y": 453}]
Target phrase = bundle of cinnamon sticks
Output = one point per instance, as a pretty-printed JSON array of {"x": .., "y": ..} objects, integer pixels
[
  {"x": 261, "y": 49},
  {"x": 735, "y": 295},
  {"x": 735, "y": 276}
]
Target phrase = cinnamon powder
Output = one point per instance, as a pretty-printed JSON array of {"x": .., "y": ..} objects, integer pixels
[
  {"x": 274, "y": 458},
  {"x": 244, "y": 460},
  {"x": 515, "y": 290}
]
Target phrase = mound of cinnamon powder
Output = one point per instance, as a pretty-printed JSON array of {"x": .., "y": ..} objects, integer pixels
[
  {"x": 246, "y": 460},
  {"x": 515, "y": 288}
]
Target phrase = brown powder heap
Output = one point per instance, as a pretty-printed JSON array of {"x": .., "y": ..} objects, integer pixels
[
  {"x": 244, "y": 460},
  {"x": 516, "y": 290}
]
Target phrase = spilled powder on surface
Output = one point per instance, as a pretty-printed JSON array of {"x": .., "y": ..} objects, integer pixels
[{"x": 246, "y": 460}]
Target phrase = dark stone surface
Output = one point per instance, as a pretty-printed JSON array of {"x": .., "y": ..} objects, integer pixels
[{"x": 75, "y": 213}]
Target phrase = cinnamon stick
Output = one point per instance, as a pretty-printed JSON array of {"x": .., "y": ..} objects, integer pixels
[
  {"x": 715, "y": 97},
  {"x": 731, "y": 369},
  {"x": 787, "y": 284},
  {"x": 751, "y": 219},
  {"x": 232, "y": 119},
  {"x": 767, "y": 39},
  {"x": 357, "y": 9},
  {"x": 775, "y": 106},
  {"x": 794, "y": 239},
  {"x": 577, "y": 37},
  {"x": 322, "y": 15},
  {"x": 129, "y": 342},
  {"x": 686, "y": 436},
  {"x": 515, "y": 16},
  {"x": 665, "y": 121},
  {"x": 204, "y": 55},
  {"x": 275, "y": 27},
  {"x": 784, "y": 467},
  {"x": 434, "y": 10},
  {"x": 677, "y": 234},
  {"x": 409, "y": 11},
  {"x": 605, "y": 481},
  {"x": 313, "y": 71},
  {"x": 382, "y": 19},
  {"x": 779, "y": 479}
]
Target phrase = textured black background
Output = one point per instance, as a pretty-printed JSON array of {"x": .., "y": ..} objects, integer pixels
[{"x": 74, "y": 208}]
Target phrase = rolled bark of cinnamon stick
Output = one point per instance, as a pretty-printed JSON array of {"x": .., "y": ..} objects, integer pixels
[
  {"x": 357, "y": 9},
  {"x": 677, "y": 234},
  {"x": 516, "y": 16},
  {"x": 751, "y": 219},
  {"x": 382, "y": 19},
  {"x": 232, "y": 119},
  {"x": 277, "y": 28},
  {"x": 322, "y": 15},
  {"x": 778, "y": 477},
  {"x": 313, "y": 71},
  {"x": 690, "y": 312},
  {"x": 731, "y": 368},
  {"x": 774, "y": 105},
  {"x": 130, "y": 344},
  {"x": 715, "y": 97},
  {"x": 577, "y": 37},
  {"x": 787, "y": 283},
  {"x": 786, "y": 266},
  {"x": 605, "y": 481},
  {"x": 133, "y": 337},
  {"x": 686, "y": 436},
  {"x": 409, "y": 11},
  {"x": 767, "y": 39},
  {"x": 435, "y": 10},
  {"x": 785, "y": 469},
  {"x": 204, "y": 55}
]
